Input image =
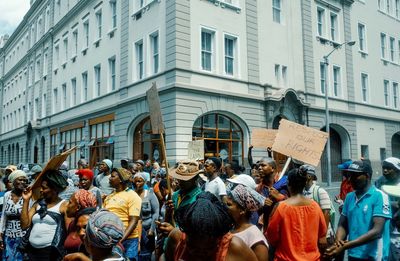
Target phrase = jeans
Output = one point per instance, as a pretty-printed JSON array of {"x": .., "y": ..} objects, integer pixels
[{"x": 131, "y": 246}]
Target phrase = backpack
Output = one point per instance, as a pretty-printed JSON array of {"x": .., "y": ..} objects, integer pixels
[{"x": 332, "y": 211}]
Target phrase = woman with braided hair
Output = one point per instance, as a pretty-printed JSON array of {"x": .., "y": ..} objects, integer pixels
[{"x": 203, "y": 234}]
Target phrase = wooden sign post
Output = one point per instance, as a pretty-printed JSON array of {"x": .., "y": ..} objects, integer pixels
[
  {"x": 157, "y": 126},
  {"x": 300, "y": 142}
]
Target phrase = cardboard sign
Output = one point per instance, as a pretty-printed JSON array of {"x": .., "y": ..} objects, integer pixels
[
  {"x": 263, "y": 138},
  {"x": 300, "y": 142},
  {"x": 153, "y": 101},
  {"x": 53, "y": 164},
  {"x": 196, "y": 150}
]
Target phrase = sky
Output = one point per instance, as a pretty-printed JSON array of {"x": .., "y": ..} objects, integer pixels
[{"x": 11, "y": 14}]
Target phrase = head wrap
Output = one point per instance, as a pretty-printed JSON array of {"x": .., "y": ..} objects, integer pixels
[
  {"x": 11, "y": 168},
  {"x": 64, "y": 166},
  {"x": 88, "y": 173},
  {"x": 16, "y": 174},
  {"x": 104, "y": 229},
  {"x": 36, "y": 169},
  {"x": 123, "y": 174},
  {"x": 85, "y": 199},
  {"x": 108, "y": 163},
  {"x": 207, "y": 216},
  {"x": 83, "y": 163},
  {"x": 392, "y": 163},
  {"x": 246, "y": 198},
  {"x": 141, "y": 175},
  {"x": 55, "y": 179}
]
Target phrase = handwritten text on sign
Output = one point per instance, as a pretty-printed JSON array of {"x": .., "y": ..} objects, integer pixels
[
  {"x": 263, "y": 138},
  {"x": 300, "y": 142},
  {"x": 196, "y": 150}
]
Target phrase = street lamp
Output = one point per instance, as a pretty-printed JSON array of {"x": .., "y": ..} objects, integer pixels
[{"x": 328, "y": 144}]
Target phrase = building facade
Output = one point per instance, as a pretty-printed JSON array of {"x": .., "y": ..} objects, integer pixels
[{"x": 75, "y": 73}]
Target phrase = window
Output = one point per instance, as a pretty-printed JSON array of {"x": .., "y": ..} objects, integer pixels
[
  {"x": 320, "y": 21},
  {"x": 207, "y": 38},
  {"x": 395, "y": 95},
  {"x": 388, "y": 6},
  {"x": 44, "y": 103},
  {"x": 383, "y": 45},
  {"x": 86, "y": 32},
  {"x": 85, "y": 86},
  {"x": 55, "y": 100},
  {"x": 230, "y": 46},
  {"x": 322, "y": 69},
  {"x": 99, "y": 23},
  {"x": 277, "y": 71},
  {"x": 75, "y": 39},
  {"x": 365, "y": 151},
  {"x": 334, "y": 27},
  {"x": 155, "y": 51},
  {"x": 37, "y": 70},
  {"x": 73, "y": 89},
  {"x": 71, "y": 138},
  {"x": 97, "y": 78},
  {"x": 336, "y": 81},
  {"x": 361, "y": 37},
  {"x": 397, "y": 10},
  {"x": 139, "y": 60},
  {"x": 53, "y": 142},
  {"x": 113, "y": 6},
  {"x": 32, "y": 35},
  {"x": 112, "y": 77},
  {"x": 221, "y": 135},
  {"x": 65, "y": 50},
  {"x": 45, "y": 57},
  {"x": 276, "y": 11},
  {"x": 64, "y": 97},
  {"x": 364, "y": 87},
  {"x": 36, "y": 110},
  {"x": 392, "y": 43},
  {"x": 102, "y": 144},
  {"x": 386, "y": 91},
  {"x": 56, "y": 56},
  {"x": 39, "y": 29},
  {"x": 284, "y": 75}
]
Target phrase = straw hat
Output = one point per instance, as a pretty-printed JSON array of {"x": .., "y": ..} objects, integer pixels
[{"x": 186, "y": 170}]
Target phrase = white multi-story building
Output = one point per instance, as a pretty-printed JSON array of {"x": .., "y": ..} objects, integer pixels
[{"x": 76, "y": 73}]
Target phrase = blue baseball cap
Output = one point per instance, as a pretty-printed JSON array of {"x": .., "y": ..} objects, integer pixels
[{"x": 345, "y": 165}]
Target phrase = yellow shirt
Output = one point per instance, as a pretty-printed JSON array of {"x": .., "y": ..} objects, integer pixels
[{"x": 124, "y": 204}]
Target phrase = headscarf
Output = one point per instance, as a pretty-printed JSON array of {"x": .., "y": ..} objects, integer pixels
[
  {"x": 85, "y": 173},
  {"x": 85, "y": 199},
  {"x": 16, "y": 174},
  {"x": 108, "y": 163},
  {"x": 104, "y": 229},
  {"x": 123, "y": 174},
  {"x": 55, "y": 179},
  {"x": 141, "y": 175},
  {"x": 246, "y": 198}
]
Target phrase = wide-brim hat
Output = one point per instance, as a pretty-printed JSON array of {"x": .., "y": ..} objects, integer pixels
[
  {"x": 186, "y": 170},
  {"x": 392, "y": 190}
]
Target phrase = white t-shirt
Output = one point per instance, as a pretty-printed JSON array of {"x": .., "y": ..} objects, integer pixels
[
  {"x": 251, "y": 236},
  {"x": 216, "y": 187}
]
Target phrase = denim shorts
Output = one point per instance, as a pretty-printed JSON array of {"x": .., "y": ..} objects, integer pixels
[{"x": 131, "y": 246}]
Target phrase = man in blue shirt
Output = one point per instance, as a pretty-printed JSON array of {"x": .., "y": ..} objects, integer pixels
[{"x": 365, "y": 218}]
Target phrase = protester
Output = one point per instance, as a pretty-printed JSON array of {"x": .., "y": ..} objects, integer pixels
[
  {"x": 231, "y": 169},
  {"x": 34, "y": 173},
  {"x": 241, "y": 202},
  {"x": 103, "y": 179},
  {"x": 10, "y": 169},
  {"x": 103, "y": 232},
  {"x": 319, "y": 195},
  {"x": 80, "y": 200},
  {"x": 10, "y": 226},
  {"x": 214, "y": 183},
  {"x": 297, "y": 227},
  {"x": 273, "y": 189},
  {"x": 139, "y": 167},
  {"x": 394, "y": 191},
  {"x": 126, "y": 204},
  {"x": 46, "y": 219},
  {"x": 345, "y": 185},
  {"x": 86, "y": 177},
  {"x": 203, "y": 234},
  {"x": 149, "y": 214},
  {"x": 365, "y": 218}
]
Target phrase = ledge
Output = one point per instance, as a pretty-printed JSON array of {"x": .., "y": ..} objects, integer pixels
[
  {"x": 138, "y": 13},
  {"x": 223, "y": 4}
]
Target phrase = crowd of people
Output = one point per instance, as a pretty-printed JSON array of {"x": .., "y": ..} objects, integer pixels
[{"x": 199, "y": 210}]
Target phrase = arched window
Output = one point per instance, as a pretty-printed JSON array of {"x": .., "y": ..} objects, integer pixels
[
  {"x": 146, "y": 145},
  {"x": 222, "y": 137}
]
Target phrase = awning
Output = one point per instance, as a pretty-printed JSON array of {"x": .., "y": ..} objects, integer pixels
[
  {"x": 62, "y": 147},
  {"x": 82, "y": 144},
  {"x": 91, "y": 142},
  {"x": 110, "y": 140}
]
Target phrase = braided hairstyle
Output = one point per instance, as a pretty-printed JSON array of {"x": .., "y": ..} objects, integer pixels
[{"x": 207, "y": 216}]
